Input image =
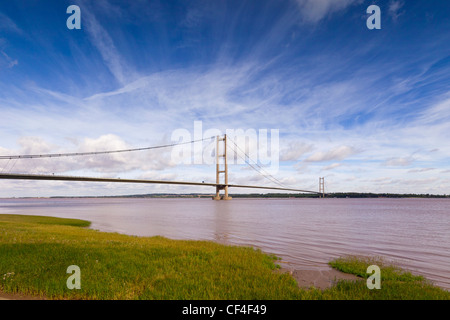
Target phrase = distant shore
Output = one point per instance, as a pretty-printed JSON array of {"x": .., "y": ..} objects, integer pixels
[{"x": 259, "y": 196}]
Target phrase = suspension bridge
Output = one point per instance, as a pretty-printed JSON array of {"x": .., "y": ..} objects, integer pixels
[{"x": 221, "y": 168}]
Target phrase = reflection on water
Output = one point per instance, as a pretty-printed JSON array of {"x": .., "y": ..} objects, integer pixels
[{"x": 305, "y": 233}]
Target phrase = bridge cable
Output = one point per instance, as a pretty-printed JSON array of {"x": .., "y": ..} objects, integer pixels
[
  {"x": 267, "y": 175},
  {"x": 3, "y": 168},
  {"x": 55, "y": 155}
]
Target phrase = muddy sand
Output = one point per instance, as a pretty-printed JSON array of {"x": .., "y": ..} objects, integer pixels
[{"x": 319, "y": 278}]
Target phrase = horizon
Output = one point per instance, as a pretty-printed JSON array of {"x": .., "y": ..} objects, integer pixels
[
  {"x": 248, "y": 195},
  {"x": 368, "y": 109}
]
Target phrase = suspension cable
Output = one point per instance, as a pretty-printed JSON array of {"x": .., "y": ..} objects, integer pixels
[
  {"x": 55, "y": 155},
  {"x": 267, "y": 175}
]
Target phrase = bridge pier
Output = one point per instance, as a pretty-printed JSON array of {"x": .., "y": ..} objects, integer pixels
[
  {"x": 224, "y": 171},
  {"x": 225, "y": 196}
]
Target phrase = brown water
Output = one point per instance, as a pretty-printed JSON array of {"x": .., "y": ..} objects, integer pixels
[{"x": 305, "y": 233}]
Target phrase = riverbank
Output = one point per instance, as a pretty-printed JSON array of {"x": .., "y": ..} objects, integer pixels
[{"x": 37, "y": 251}]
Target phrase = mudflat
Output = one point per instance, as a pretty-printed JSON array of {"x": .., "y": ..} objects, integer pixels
[
  {"x": 7, "y": 296},
  {"x": 319, "y": 278}
]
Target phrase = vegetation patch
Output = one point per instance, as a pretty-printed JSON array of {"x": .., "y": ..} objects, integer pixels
[{"x": 395, "y": 283}]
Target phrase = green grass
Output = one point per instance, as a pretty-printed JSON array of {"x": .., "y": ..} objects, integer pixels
[
  {"x": 396, "y": 284},
  {"x": 35, "y": 252}
]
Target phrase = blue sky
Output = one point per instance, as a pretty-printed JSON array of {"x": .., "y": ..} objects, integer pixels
[{"x": 369, "y": 110}]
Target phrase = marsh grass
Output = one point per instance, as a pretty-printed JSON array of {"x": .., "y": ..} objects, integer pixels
[
  {"x": 36, "y": 251},
  {"x": 396, "y": 283}
]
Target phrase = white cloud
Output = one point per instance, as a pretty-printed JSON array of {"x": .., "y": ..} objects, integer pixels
[
  {"x": 8, "y": 62},
  {"x": 157, "y": 159},
  {"x": 115, "y": 163},
  {"x": 394, "y": 7},
  {"x": 101, "y": 39},
  {"x": 294, "y": 151},
  {"x": 34, "y": 145},
  {"x": 338, "y": 153},
  {"x": 400, "y": 161},
  {"x": 420, "y": 170},
  {"x": 436, "y": 113},
  {"x": 332, "y": 166},
  {"x": 6, "y": 24},
  {"x": 313, "y": 11}
]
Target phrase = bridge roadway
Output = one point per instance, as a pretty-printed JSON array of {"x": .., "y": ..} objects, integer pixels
[{"x": 19, "y": 176}]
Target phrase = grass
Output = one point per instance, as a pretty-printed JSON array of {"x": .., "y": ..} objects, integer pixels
[
  {"x": 396, "y": 284},
  {"x": 35, "y": 252}
]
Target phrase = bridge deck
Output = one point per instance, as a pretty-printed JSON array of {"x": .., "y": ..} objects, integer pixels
[{"x": 19, "y": 176}]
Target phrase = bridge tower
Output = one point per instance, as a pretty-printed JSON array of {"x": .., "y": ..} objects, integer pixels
[
  {"x": 322, "y": 187},
  {"x": 224, "y": 171}
]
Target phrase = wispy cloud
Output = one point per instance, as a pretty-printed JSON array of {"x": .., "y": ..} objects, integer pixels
[
  {"x": 332, "y": 166},
  {"x": 394, "y": 9},
  {"x": 401, "y": 161},
  {"x": 421, "y": 170},
  {"x": 313, "y": 11},
  {"x": 105, "y": 45},
  {"x": 294, "y": 150},
  {"x": 8, "y": 25},
  {"x": 339, "y": 153},
  {"x": 436, "y": 113},
  {"x": 8, "y": 61}
]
